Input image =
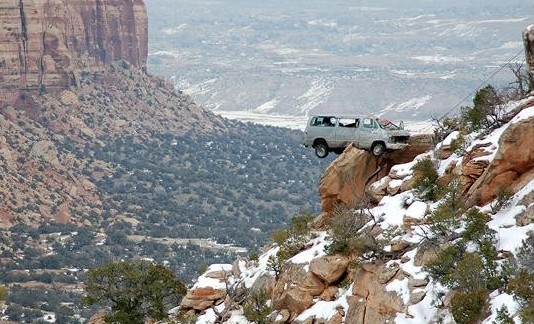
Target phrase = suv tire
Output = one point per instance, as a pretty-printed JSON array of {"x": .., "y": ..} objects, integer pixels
[
  {"x": 378, "y": 149},
  {"x": 321, "y": 150}
]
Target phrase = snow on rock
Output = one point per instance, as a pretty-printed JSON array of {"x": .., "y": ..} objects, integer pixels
[
  {"x": 251, "y": 274},
  {"x": 401, "y": 171},
  {"x": 390, "y": 211},
  {"x": 417, "y": 210},
  {"x": 401, "y": 288},
  {"x": 448, "y": 140},
  {"x": 316, "y": 250},
  {"x": 326, "y": 310},
  {"x": 212, "y": 277}
]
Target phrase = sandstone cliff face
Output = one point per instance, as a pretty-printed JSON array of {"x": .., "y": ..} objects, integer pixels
[{"x": 46, "y": 44}]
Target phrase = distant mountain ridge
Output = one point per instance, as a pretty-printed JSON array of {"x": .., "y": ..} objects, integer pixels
[{"x": 411, "y": 62}]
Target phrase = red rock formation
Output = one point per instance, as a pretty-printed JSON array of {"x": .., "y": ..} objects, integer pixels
[
  {"x": 47, "y": 43},
  {"x": 346, "y": 178},
  {"x": 371, "y": 302},
  {"x": 512, "y": 166}
]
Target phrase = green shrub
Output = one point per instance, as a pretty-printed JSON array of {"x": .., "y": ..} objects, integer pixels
[
  {"x": 467, "y": 307},
  {"x": 344, "y": 231},
  {"x": 504, "y": 195},
  {"x": 503, "y": 317},
  {"x": 444, "y": 219},
  {"x": 486, "y": 113},
  {"x": 274, "y": 264},
  {"x": 523, "y": 290},
  {"x": 3, "y": 293},
  {"x": 254, "y": 256},
  {"x": 441, "y": 268},
  {"x": 475, "y": 226},
  {"x": 459, "y": 144},
  {"x": 426, "y": 186},
  {"x": 293, "y": 240},
  {"x": 256, "y": 308}
]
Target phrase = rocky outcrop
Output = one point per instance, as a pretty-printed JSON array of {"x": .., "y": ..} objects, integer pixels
[
  {"x": 47, "y": 44},
  {"x": 371, "y": 302},
  {"x": 345, "y": 180},
  {"x": 510, "y": 169}
]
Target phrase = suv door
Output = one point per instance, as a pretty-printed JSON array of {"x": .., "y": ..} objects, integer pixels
[
  {"x": 369, "y": 133},
  {"x": 347, "y": 131}
]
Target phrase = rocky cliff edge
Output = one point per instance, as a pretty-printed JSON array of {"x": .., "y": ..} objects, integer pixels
[{"x": 314, "y": 286}]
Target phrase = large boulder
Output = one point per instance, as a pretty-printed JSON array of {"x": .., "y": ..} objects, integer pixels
[
  {"x": 294, "y": 299},
  {"x": 296, "y": 288},
  {"x": 329, "y": 268},
  {"x": 512, "y": 167},
  {"x": 201, "y": 298},
  {"x": 371, "y": 302}
]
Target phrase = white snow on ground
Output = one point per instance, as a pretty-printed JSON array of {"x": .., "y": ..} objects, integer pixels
[
  {"x": 316, "y": 95},
  {"x": 494, "y": 137},
  {"x": 292, "y": 122},
  {"x": 438, "y": 59},
  {"x": 391, "y": 210},
  {"x": 510, "y": 235},
  {"x": 420, "y": 313},
  {"x": 448, "y": 140},
  {"x": 499, "y": 300},
  {"x": 249, "y": 275},
  {"x": 512, "y": 45},
  {"x": 403, "y": 170}
]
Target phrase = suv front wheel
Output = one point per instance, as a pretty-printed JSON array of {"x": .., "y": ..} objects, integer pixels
[
  {"x": 378, "y": 149},
  {"x": 321, "y": 150}
]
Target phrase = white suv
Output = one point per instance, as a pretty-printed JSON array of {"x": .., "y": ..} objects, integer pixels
[{"x": 327, "y": 133}]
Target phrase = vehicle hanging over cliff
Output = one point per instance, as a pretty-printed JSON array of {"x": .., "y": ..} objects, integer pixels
[{"x": 333, "y": 133}]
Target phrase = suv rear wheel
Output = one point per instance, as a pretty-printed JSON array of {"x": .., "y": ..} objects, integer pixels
[{"x": 321, "y": 149}]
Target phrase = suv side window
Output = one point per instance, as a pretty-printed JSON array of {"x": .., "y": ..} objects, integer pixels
[
  {"x": 369, "y": 123},
  {"x": 349, "y": 122},
  {"x": 323, "y": 121}
]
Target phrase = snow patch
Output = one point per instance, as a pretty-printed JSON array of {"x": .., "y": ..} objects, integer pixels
[
  {"x": 417, "y": 210},
  {"x": 401, "y": 288},
  {"x": 315, "y": 251}
]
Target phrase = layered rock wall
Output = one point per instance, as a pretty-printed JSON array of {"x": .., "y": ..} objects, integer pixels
[{"x": 46, "y": 44}]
